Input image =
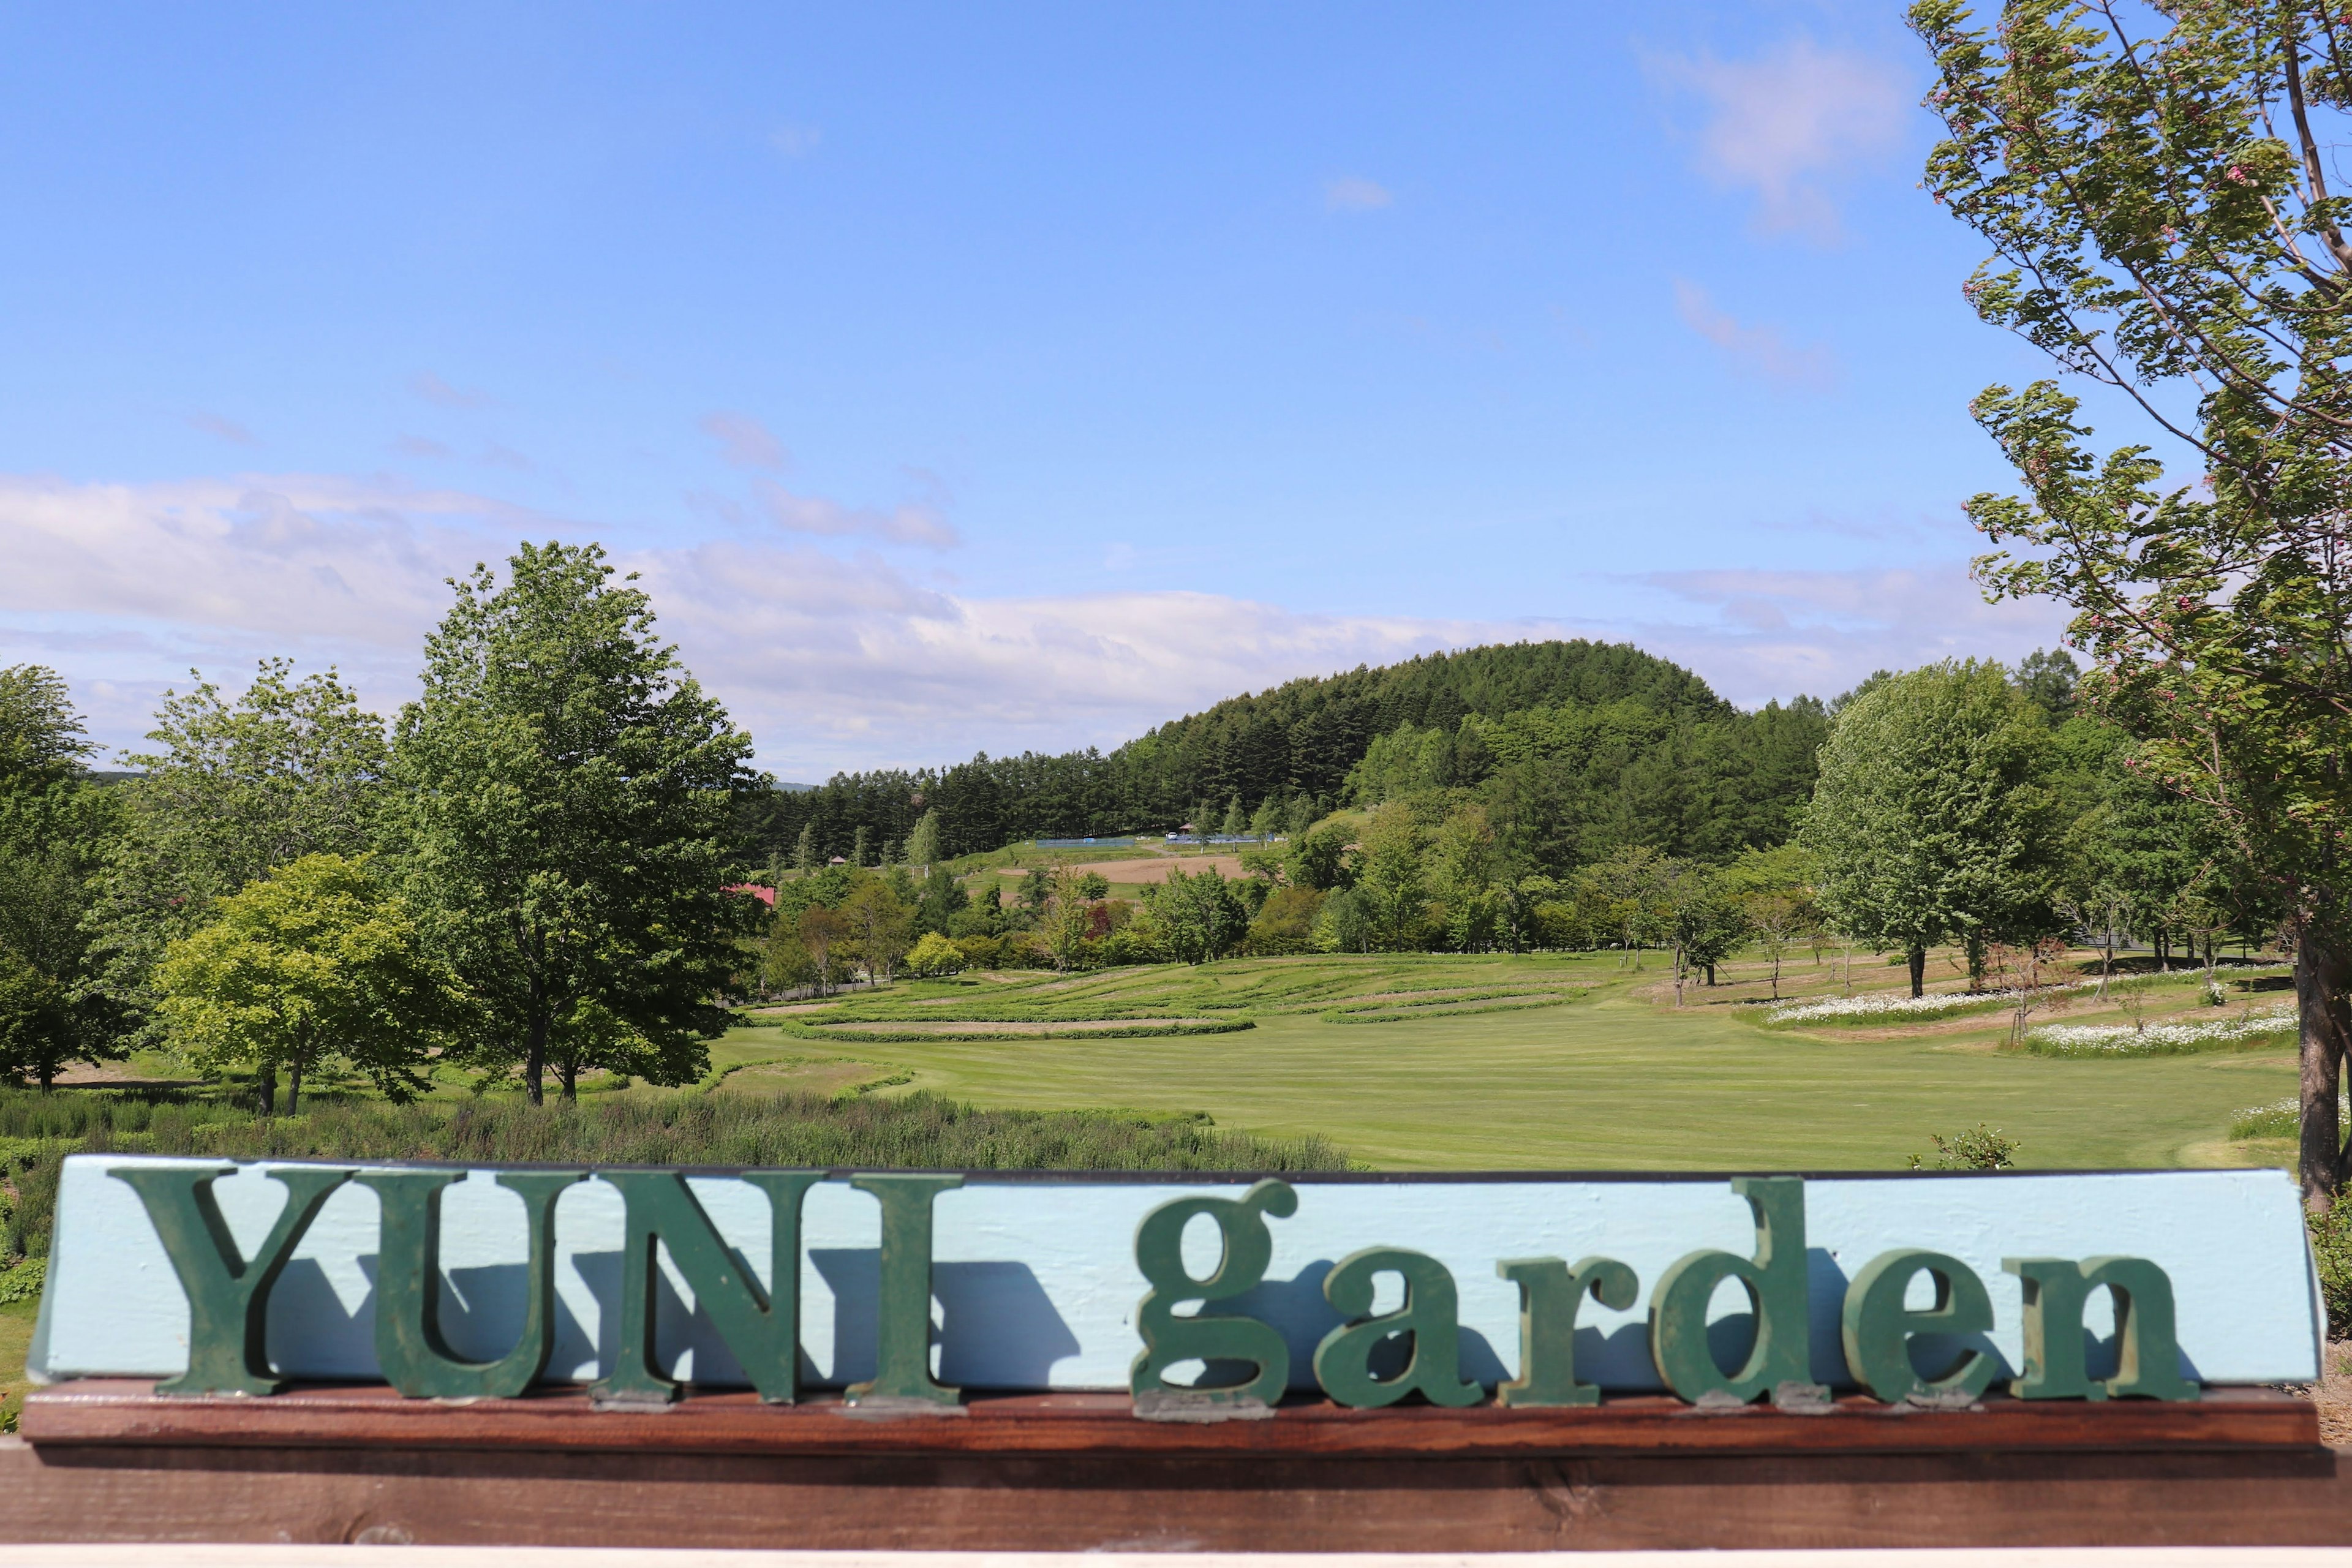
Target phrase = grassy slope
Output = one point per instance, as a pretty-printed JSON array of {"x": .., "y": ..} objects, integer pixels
[
  {"x": 1619, "y": 1080},
  {"x": 15, "y": 1340}
]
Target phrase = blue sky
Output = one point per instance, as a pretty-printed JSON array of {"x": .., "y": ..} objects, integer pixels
[{"x": 1002, "y": 377}]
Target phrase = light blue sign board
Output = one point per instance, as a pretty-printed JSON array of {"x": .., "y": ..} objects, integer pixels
[{"x": 1036, "y": 1285}]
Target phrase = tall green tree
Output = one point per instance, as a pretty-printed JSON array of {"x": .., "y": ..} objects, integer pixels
[
  {"x": 563, "y": 788},
  {"x": 923, "y": 841},
  {"x": 54, "y": 827},
  {"x": 232, "y": 788},
  {"x": 1466, "y": 880},
  {"x": 1392, "y": 884},
  {"x": 1930, "y": 817},
  {"x": 314, "y": 962},
  {"x": 2155, "y": 187},
  {"x": 42, "y": 741},
  {"x": 1201, "y": 916}
]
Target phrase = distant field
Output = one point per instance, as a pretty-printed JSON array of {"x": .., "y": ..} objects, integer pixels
[{"x": 1554, "y": 1062}]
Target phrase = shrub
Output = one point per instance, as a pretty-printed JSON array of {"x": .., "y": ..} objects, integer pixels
[
  {"x": 1286, "y": 922},
  {"x": 2331, "y": 1249},
  {"x": 1982, "y": 1149},
  {"x": 980, "y": 952},
  {"x": 935, "y": 956},
  {"x": 919, "y": 1131}
]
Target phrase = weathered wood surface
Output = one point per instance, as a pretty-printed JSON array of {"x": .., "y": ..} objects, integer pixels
[
  {"x": 1013, "y": 1501},
  {"x": 118, "y": 1412}
]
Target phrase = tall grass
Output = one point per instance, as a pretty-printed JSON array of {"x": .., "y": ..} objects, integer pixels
[{"x": 919, "y": 1130}]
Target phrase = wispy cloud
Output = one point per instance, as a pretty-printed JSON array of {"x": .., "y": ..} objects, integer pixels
[
  {"x": 908, "y": 525},
  {"x": 1354, "y": 194},
  {"x": 420, "y": 447},
  {"x": 794, "y": 141},
  {"x": 835, "y": 662},
  {"x": 1768, "y": 633},
  {"x": 744, "y": 441},
  {"x": 227, "y": 429},
  {"x": 1758, "y": 349},
  {"x": 1792, "y": 124},
  {"x": 440, "y": 394}
]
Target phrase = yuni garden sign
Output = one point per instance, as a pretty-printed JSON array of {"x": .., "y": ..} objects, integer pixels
[{"x": 1205, "y": 1300}]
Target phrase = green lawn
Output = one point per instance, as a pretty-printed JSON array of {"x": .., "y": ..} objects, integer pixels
[
  {"x": 1618, "y": 1078},
  {"x": 15, "y": 1339}
]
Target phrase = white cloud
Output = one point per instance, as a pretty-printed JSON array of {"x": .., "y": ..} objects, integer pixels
[
  {"x": 744, "y": 441},
  {"x": 794, "y": 141},
  {"x": 908, "y": 525},
  {"x": 1790, "y": 125},
  {"x": 227, "y": 429},
  {"x": 831, "y": 661},
  {"x": 1759, "y": 349},
  {"x": 440, "y": 394},
  {"x": 1353, "y": 194},
  {"x": 1772, "y": 633}
]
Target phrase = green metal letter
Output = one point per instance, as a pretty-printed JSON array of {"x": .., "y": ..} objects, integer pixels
[
  {"x": 1247, "y": 1247},
  {"x": 1430, "y": 1313},
  {"x": 1878, "y": 1328},
  {"x": 902, "y": 1340},
  {"x": 228, "y": 1294},
  {"x": 762, "y": 1329},
  {"x": 409, "y": 1347},
  {"x": 1550, "y": 1296},
  {"x": 1777, "y": 1365},
  {"x": 2055, "y": 1288}
]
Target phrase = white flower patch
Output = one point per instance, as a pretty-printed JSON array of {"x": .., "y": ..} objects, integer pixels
[
  {"x": 2122, "y": 1039},
  {"x": 1950, "y": 1004},
  {"x": 1839, "y": 1009}
]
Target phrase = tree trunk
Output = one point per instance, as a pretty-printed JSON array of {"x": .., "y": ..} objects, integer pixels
[
  {"x": 264, "y": 1084},
  {"x": 48, "y": 1068},
  {"x": 294, "y": 1086},
  {"x": 1710, "y": 976},
  {"x": 567, "y": 1072},
  {"x": 1918, "y": 970},
  {"x": 2322, "y": 975},
  {"x": 1678, "y": 977},
  {"x": 1976, "y": 950},
  {"x": 1776, "y": 975},
  {"x": 534, "y": 1061}
]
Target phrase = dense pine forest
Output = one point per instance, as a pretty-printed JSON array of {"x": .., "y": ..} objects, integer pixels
[{"x": 1578, "y": 747}]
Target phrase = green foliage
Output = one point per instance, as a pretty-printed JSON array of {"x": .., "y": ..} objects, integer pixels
[
  {"x": 917, "y": 1130},
  {"x": 1292, "y": 745},
  {"x": 1931, "y": 818},
  {"x": 42, "y": 741},
  {"x": 315, "y": 961},
  {"x": 1390, "y": 888},
  {"x": 1318, "y": 856},
  {"x": 923, "y": 840},
  {"x": 935, "y": 956},
  {"x": 562, "y": 789},
  {"x": 2158, "y": 209},
  {"x": 881, "y": 928},
  {"x": 2331, "y": 1251},
  {"x": 1286, "y": 921},
  {"x": 1196, "y": 916},
  {"x": 290, "y": 768},
  {"x": 22, "y": 1281},
  {"x": 1981, "y": 1148}
]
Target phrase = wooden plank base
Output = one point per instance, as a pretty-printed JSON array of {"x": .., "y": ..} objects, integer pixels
[
  {"x": 1073, "y": 1472},
  {"x": 117, "y": 1412},
  {"x": 1018, "y": 1502}
]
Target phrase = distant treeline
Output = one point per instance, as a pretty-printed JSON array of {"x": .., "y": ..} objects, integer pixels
[{"x": 1632, "y": 749}]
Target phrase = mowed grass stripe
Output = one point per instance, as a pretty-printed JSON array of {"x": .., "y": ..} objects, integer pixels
[{"x": 1611, "y": 1082}]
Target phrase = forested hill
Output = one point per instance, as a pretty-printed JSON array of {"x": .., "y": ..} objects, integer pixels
[{"x": 1296, "y": 744}]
